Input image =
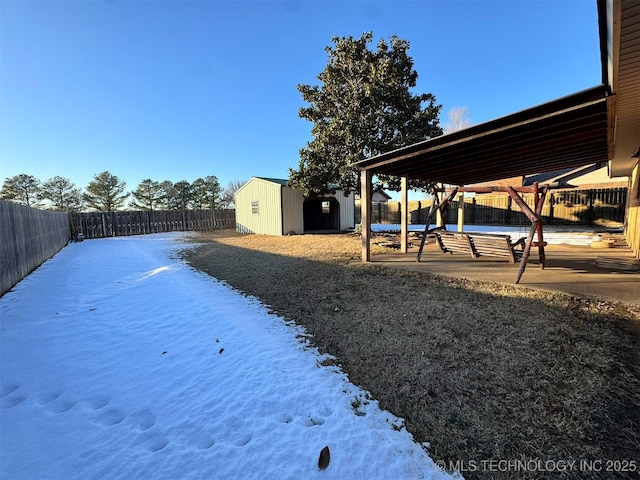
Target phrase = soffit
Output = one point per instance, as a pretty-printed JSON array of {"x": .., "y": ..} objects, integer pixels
[{"x": 626, "y": 85}]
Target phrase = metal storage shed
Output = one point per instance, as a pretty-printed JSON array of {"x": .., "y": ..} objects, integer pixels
[{"x": 269, "y": 206}]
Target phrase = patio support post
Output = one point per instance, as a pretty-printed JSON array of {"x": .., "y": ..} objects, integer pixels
[
  {"x": 404, "y": 214},
  {"x": 461, "y": 211},
  {"x": 366, "y": 176},
  {"x": 440, "y": 213},
  {"x": 540, "y": 197}
]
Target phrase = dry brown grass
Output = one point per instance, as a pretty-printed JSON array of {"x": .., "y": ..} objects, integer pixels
[{"x": 481, "y": 371}]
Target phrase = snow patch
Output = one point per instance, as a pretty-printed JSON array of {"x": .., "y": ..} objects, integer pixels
[{"x": 119, "y": 361}]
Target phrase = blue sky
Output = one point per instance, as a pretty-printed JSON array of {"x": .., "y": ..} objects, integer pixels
[{"x": 176, "y": 90}]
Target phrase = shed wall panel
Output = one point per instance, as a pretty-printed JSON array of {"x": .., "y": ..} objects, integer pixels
[
  {"x": 268, "y": 219},
  {"x": 347, "y": 210},
  {"x": 280, "y": 209},
  {"x": 292, "y": 214}
]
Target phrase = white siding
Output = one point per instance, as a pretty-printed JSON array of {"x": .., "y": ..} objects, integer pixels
[
  {"x": 347, "y": 210},
  {"x": 292, "y": 215},
  {"x": 280, "y": 208},
  {"x": 268, "y": 219}
]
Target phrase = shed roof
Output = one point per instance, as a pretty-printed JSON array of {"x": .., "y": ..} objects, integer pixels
[
  {"x": 279, "y": 181},
  {"x": 567, "y": 132}
]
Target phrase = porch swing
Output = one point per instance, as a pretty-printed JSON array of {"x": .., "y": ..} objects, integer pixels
[{"x": 477, "y": 244}]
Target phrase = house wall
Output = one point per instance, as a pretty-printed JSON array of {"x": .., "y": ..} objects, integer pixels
[
  {"x": 292, "y": 216},
  {"x": 598, "y": 179},
  {"x": 632, "y": 221},
  {"x": 379, "y": 197},
  {"x": 268, "y": 219}
]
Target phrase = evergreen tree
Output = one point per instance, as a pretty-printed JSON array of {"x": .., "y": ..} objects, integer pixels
[
  {"x": 183, "y": 194},
  {"x": 205, "y": 192},
  {"x": 363, "y": 107},
  {"x": 168, "y": 201},
  {"x": 24, "y": 189},
  {"x": 148, "y": 196},
  {"x": 106, "y": 193},
  {"x": 62, "y": 193}
]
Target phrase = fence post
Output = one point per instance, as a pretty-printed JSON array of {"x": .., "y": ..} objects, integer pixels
[
  {"x": 621, "y": 201},
  {"x": 473, "y": 210}
]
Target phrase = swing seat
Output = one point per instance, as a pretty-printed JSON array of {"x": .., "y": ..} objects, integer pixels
[{"x": 480, "y": 244}]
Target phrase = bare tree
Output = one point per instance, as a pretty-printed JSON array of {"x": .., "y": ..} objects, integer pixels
[
  {"x": 228, "y": 200},
  {"x": 458, "y": 119}
]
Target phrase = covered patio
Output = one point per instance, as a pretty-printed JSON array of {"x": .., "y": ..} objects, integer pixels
[
  {"x": 568, "y": 132},
  {"x": 601, "y": 124}
]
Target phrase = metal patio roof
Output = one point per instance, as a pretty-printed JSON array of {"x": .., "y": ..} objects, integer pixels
[{"x": 567, "y": 132}]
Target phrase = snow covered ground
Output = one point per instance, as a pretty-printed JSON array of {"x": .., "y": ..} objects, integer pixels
[
  {"x": 552, "y": 235},
  {"x": 119, "y": 361}
]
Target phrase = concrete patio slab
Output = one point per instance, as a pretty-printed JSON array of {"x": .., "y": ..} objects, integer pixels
[{"x": 608, "y": 274}]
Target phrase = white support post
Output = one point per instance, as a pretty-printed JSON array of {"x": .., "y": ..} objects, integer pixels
[
  {"x": 461, "y": 212},
  {"x": 404, "y": 215},
  {"x": 439, "y": 219}
]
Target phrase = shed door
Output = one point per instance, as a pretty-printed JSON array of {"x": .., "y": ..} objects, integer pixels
[{"x": 321, "y": 214}]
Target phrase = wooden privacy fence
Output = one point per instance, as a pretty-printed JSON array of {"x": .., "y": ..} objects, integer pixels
[
  {"x": 570, "y": 207},
  {"x": 116, "y": 224},
  {"x": 28, "y": 237},
  {"x": 587, "y": 206}
]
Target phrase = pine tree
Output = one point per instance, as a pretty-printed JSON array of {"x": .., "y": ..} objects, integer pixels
[
  {"x": 62, "y": 193},
  {"x": 182, "y": 194},
  {"x": 205, "y": 192},
  {"x": 24, "y": 189},
  {"x": 106, "y": 193},
  {"x": 148, "y": 196}
]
